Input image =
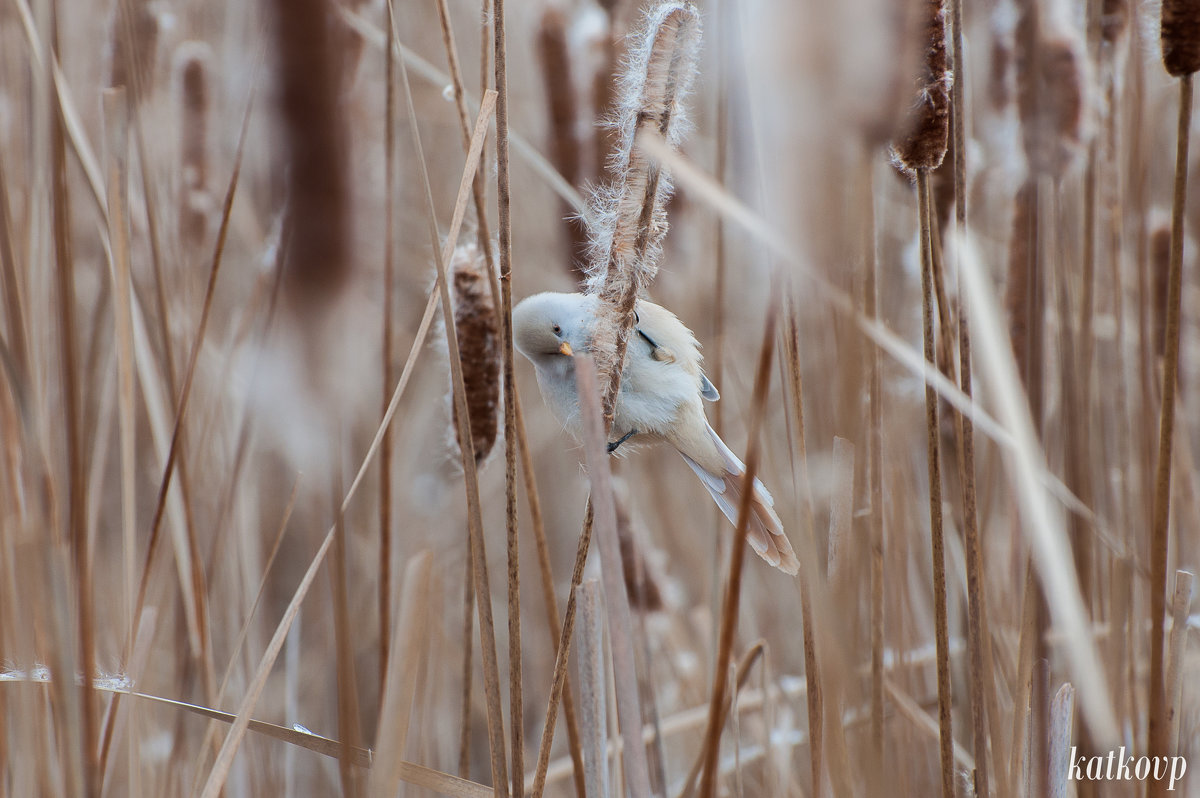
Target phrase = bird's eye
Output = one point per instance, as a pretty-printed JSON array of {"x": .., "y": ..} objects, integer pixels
[{"x": 557, "y": 329}]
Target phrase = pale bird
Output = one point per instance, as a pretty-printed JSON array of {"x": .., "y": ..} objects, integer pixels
[{"x": 662, "y": 388}]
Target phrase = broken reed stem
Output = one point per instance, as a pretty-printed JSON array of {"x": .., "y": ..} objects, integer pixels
[
  {"x": 1157, "y": 708},
  {"x": 937, "y": 540},
  {"x": 733, "y": 587},
  {"x": 1180, "y": 604},
  {"x": 387, "y": 368},
  {"x": 504, "y": 212}
]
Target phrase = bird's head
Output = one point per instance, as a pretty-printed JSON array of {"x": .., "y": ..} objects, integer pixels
[{"x": 549, "y": 326}]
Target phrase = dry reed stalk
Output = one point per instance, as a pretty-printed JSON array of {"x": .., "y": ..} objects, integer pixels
[
  {"x": 920, "y": 150},
  {"x": 173, "y": 452},
  {"x": 562, "y": 112},
  {"x": 875, "y": 489},
  {"x": 483, "y": 594},
  {"x": 812, "y": 674},
  {"x": 315, "y": 144},
  {"x": 349, "y": 722},
  {"x": 387, "y": 332},
  {"x": 937, "y": 540},
  {"x": 733, "y": 585},
  {"x": 1160, "y": 274},
  {"x": 193, "y": 61},
  {"x": 981, "y": 684},
  {"x": 1180, "y": 35},
  {"x": 1180, "y": 604},
  {"x": 11, "y": 283},
  {"x": 841, "y": 519},
  {"x": 740, "y": 676},
  {"x": 591, "y": 689},
  {"x": 504, "y": 215},
  {"x": 616, "y": 600},
  {"x": 561, "y": 656},
  {"x": 1039, "y": 521},
  {"x": 68, "y": 345},
  {"x": 117, "y": 129},
  {"x": 640, "y": 584}
]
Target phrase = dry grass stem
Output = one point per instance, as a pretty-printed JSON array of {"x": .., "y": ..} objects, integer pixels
[
  {"x": 729, "y": 608},
  {"x": 937, "y": 540}
]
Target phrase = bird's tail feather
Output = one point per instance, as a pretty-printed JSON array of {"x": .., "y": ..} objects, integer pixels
[{"x": 764, "y": 530}]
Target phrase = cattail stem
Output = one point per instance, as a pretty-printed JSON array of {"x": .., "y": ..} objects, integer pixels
[
  {"x": 1160, "y": 534},
  {"x": 814, "y": 696},
  {"x": 388, "y": 333},
  {"x": 729, "y": 609},
  {"x": 937, "y": 541}
]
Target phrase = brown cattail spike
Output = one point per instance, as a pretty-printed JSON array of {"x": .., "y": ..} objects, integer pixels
[
  {"x": 478, "y": 346},
  {"x": 1058, "y": 140},
  {"x": 193, "y": 63},
  {"x": 923, "y": 146},
  {"x": 1114, "y": 19},
  {"x": 1181, "y": 36}
]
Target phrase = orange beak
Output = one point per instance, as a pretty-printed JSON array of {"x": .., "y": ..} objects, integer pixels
[{"x": 565, "y": 349}]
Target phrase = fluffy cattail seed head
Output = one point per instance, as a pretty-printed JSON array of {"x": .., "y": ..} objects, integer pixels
[
  {"x": 1181, "y": 36},
  {"x": 478, "y": 346},
  {"x": 923, "y": 145}
]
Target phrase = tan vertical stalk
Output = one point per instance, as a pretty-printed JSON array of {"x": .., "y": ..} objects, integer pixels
[
  {"x": 919, "y": 151},
  {"x": 387, "y": 367},
  {"x": 1181, "y": 57}
]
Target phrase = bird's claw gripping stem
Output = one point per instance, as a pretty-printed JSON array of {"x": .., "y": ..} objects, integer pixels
[{"x": 613, "y": 445}]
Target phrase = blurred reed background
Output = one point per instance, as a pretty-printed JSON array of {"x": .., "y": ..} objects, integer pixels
[{"x": 223, "y": 573}]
